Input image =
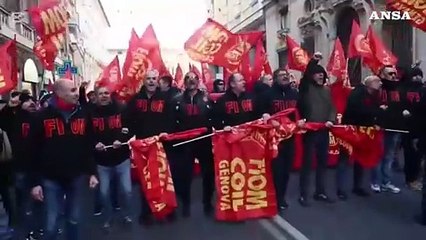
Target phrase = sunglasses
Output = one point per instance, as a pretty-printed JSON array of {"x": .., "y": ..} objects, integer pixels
[
  {"x": 151, "y": 78},
  {"x": 392, "y": 73}
]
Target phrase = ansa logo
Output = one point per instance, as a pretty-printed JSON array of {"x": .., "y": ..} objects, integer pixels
[{"x": 390, "y": 15}]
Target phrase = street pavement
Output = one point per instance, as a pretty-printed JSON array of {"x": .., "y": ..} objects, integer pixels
[{"x": 381, "y": 216}]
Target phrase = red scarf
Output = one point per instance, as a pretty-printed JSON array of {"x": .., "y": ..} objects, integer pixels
[{"x": 64, "y": 106}]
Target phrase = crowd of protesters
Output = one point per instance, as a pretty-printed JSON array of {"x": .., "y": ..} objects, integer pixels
[{"x": 55, "y": 146}]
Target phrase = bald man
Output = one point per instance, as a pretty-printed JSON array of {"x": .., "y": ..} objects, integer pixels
[
  {"x": 150, "y": 113},
  {"x": 363, "y": 109},
  {"x": 62, "y": 147}
]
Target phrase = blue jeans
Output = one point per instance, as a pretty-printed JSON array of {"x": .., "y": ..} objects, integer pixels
[
  {"x": 29, "y": 210},
  {"x": 382, "y": 173},
  {"x": 54, "y": 200},
  {"x": 122, "y": 174}
]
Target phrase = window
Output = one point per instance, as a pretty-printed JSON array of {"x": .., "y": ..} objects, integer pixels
[
  {"x": 284, "y": 19},
  {"x": 309, "y": 6}
]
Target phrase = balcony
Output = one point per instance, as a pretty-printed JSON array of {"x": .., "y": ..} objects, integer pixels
[
  {"x": 250, "y": 13},
  {"x": 10, "y": 27}
]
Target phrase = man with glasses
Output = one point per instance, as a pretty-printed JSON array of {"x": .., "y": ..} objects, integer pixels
[
  {"x": 193, "y": 110},
  {"x": 393, "y": 118},
  {"x": 279, "y": 97},
  {"x": 149, "y": 113}
]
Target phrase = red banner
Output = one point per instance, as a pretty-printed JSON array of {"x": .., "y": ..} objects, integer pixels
[
  {"x": 154, "y": 172},
  {"x": 365, "y": 144},
  {"x": 156, "y": 179},
  {"x": 244, "y": 184},
  {"x": 416, "y": 10}
]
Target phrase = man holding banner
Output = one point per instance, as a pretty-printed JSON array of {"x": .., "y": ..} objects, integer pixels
[
  {"x": 148, "y": 114},
  {"x": 362, "y": 109},
  {"x": 193, "y": 110},
  {"x": 315, "y": 105},
  {"x": 279, "y": 97}
]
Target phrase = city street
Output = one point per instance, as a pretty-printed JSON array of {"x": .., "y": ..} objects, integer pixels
[{"x": 382, "y": 216}]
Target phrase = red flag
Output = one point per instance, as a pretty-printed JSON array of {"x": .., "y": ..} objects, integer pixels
[
  {"x": 261, "y": 63},
  {"x": 337, "y": 66},
  {"x": 297, "y": 57},
  {"x": 243, "y": 158},
  {"x": 382, "y": 55},
  {"x": 150, "y": 41},
  {"x": 337, "y": 63},
  {"x": 46, "y": 51},
  {"x": 111, "y": 75},
  {"x": 143, "y": 54},
  {"x": 212, "y": 43},
  {"x": 359, "y": 46},
  {"x": 8, "y": 66},
  {"x": 49, "y": 18},
  {"x": 179, "y": 76},
  {"x": 207, "y": 76},
  {"x": 415, "y": 9}
]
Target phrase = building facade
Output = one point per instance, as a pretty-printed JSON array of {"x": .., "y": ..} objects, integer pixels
[
  {"x": 316, "y": 24},
  {"x": 91, "y": 25}
]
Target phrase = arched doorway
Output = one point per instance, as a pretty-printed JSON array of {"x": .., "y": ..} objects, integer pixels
[{"x": 343, "y": 31}]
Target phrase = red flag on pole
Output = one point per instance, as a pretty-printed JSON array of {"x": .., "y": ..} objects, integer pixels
[{"x": 297, "y": 57}]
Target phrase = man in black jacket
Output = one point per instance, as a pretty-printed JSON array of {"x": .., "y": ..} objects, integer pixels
[
  {"x": 362, "y": 109},
  {"x": 236, "y": 106},
  {"x": 62, "y": 146},
  {"x": 412, "y": 87},
  {"x": 279, "y": 97},
  {"x": 392, "y": 118},
  {"x": 315, "y": 105},
  {"x": 165, "y": 85},
  {"x": 16, "y": 119},
  {"x": 193, "y": 110},
  {"x": 150, "y": 113},
  {"x": 113, "y": 162}
]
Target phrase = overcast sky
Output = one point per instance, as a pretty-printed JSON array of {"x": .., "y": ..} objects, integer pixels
[{"x": 173, "y": 20}]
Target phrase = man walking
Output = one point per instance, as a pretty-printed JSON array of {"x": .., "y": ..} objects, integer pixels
[{"x": 62, "y": 147}]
